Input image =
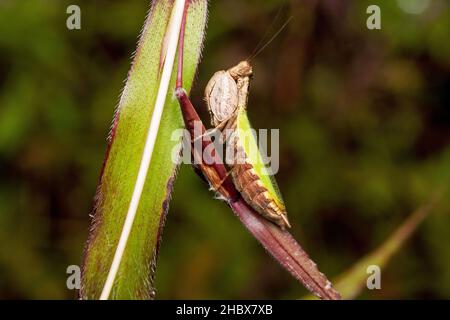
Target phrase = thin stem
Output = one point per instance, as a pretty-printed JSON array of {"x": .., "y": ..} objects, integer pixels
[
  {"x": 190, "y": 116},
  {"x": 286, "y": 250},
  {"x": 179, "y": 82}
]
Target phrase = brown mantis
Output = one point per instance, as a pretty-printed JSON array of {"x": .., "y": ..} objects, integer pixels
[{"x": 227, "y": 96}]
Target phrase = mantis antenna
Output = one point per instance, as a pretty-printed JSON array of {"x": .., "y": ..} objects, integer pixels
[{"x": 258, "y": 51}]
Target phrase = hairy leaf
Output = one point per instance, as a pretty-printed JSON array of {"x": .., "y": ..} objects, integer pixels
[{"x": 136, "y": 273}]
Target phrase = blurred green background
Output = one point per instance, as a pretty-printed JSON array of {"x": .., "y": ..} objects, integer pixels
[{"x": 364, "y": 119}]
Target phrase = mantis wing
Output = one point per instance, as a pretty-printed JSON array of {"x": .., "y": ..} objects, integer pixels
[{"x": 247, "y": 140}]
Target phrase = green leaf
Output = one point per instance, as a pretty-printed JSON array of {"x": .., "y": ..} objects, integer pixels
[{"x": 135, "y": 276}]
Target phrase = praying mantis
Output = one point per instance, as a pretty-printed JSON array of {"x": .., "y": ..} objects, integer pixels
[{"x": 226, "y": 96}]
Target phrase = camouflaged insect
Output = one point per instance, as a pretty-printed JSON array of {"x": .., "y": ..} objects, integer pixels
[{"x": 226, "y": 96}]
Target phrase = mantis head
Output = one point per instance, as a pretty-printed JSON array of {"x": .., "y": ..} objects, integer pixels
[{"x": 242, "y": 69}]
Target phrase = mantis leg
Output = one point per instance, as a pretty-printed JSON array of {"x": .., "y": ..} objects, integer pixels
[
  {"x": 219, "y": 127},
  {"x": 223, "y": 126}
]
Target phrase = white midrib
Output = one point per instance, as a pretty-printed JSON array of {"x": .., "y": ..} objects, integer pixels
[{"x": 174, "y": 32}]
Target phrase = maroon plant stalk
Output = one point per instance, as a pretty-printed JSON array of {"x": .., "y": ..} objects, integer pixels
[{"x": 279, "y": 243}]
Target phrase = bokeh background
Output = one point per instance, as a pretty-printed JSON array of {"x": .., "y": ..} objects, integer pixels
[{"x": 364, "y": 119}]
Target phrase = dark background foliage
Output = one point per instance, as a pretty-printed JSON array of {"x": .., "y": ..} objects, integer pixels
[{"x": 364, "y": 119}]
